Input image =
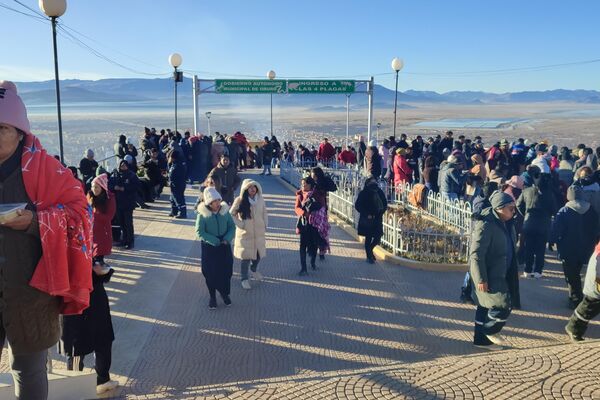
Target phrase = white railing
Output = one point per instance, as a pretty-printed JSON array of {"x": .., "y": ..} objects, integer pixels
[{"x": 428, "y": 245}]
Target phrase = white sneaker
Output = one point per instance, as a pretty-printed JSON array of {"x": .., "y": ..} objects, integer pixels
[
  {"x": 497, "y": 339},
  {"x": 491, "y": 347},
  {"x": 526, "y": 275},
  {"x": 106, "y": 387},
  {"x": 257, "y": 276},
  {"x": 100, "y": 269},
  {"x": 246, "y": 284},
  {"x": 537, "y": 275}
]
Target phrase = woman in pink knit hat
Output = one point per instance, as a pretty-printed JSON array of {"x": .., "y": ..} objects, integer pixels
[
  {"x": 104, "y": 205},
  {"x": 45, "y": 247}
]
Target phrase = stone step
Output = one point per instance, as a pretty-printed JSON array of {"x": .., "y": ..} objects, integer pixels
[{"x": 62, "y": 385}]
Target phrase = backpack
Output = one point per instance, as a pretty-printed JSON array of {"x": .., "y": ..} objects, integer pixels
[
  {"x": 329, "y": 185},
  {"x": 416, "y": 197}
]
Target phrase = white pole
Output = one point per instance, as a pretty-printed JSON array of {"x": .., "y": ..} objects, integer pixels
[
  {"x": 370, "y": 121},
  {"x": 209, "y": 133},
  {"x": 347, "y": 119},
  {"x": 195, "y": 99}
]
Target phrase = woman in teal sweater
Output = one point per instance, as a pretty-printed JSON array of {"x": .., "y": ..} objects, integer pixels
[{"x": 216, "y": 229}]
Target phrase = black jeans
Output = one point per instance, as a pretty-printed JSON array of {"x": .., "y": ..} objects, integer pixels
[
  {"x": 587, "y": 310},
  {"x": 103, "y": 356},
  {"x": 572, "y": 272},
  {"x": 125, "y": 218},
  {"x": 308, "y": 244},
  {"x": 535, "y": 249},
  {"x": 370, "y": 243},
  {"x": 488, "y": 321}
]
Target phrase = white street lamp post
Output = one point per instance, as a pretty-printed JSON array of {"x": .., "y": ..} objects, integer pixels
[
  {"x": 208, "y": 114},
  {"x": 55, "y": 9},
  {"x": 378, "y": 126},
  {"x": 397, "y": 65},
  {"x": 175, "y": 60},
  {"x": 271, "y": 76}
]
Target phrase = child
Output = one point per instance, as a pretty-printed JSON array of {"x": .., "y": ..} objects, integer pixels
[
  {"x": 310, "y": 212},
  {"x": 216, "y": 229}
]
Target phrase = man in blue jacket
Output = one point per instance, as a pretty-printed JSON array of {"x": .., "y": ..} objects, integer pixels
[{"x": 177, "y": 181}]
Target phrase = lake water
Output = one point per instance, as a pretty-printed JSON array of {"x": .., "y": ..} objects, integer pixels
[{"x": 468, "y": 123}]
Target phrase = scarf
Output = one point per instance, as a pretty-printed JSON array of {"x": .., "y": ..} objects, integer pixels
[
  {"x": 318, "y": 219},
  {"x": 65, "y": 224}
]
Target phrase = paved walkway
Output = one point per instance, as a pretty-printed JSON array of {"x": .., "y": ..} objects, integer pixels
[{"x": 348, "y": 330}]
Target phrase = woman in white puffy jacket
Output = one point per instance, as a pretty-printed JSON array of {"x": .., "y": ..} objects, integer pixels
[{"x": 250, "y": 216}]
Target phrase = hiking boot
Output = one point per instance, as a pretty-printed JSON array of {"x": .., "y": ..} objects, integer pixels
[
  {"x": 575, "y": 338},
  {"x": 246, "y": 284}
]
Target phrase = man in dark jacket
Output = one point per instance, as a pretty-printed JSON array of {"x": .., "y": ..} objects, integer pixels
[
  {"x": 177, "y": 180},
  {"x": 492, "y": 256},
  {"x": 372, "y": 161},
  {"x": 267, "y": 156},
  {"x": 87, "y": 167},
  {"x": 124, "y": 183},
  {"x": 229, "y": 178},
  {"x": 575, "y": 230},
  {"x": 371, "y": 204}
]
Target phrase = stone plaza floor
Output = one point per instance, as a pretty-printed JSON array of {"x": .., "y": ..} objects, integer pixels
[{"x": 349, "y": 330}]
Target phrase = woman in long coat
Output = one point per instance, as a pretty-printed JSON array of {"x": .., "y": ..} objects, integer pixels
[
  {"x": 371, "y": 204},
  {"x": 250, "y": 217}
]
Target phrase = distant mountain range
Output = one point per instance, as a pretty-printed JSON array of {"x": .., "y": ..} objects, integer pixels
[{"x": 161, "y": 91}]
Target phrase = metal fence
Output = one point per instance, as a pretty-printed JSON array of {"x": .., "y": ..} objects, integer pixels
[{"x": 447, "y": 243}]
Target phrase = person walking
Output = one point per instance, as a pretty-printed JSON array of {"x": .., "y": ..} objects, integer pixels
[
  {"x": 589, "y": 308},
  {"x": 250, "y": 217},
  {"x": 323, "y": 185},
  {"x": 216, "y": 229},
  {"x": 45, "y": 249},
  {"x": 104, "y": 206},
  {"x": 310, "y": 214},
  {"x": 371, "y": 204},
  {"x": 492, "y": 255},
  {"x": 267, "y": 156},
  {"x": 177, "y": 182},
  {"x": 229, "y": 178},
  {"x": 537, "y": 204},
  {"x": 574, "y": 231}
]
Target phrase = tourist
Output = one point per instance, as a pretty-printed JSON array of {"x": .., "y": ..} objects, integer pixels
[
  {"x": 177, "y": 183},
  {"x": 326, "y": 153},
  {"x": 45, "y": 266},
  {"x": 347, "y": 157},
  {"x": 430, "y": 174},
  {"x": 384, "y": 153},
  {"x": 451, "y": 179},
  {"x": 323, "y": 185},
  {"x": 372, "y": 161},
  {"x": 124, "y": 183},
  {"x": 215, "y": 228},
  {"x": 87, "y": 167},
  {"x": 210, "y": 181},
  {"x": 371, "y": 204},
  {"x": 574, "y": 230},
  {"x": 585, "y": 178},
  {"x": 311, "y": 214},
  {"x": 492, "y": 255},
  {"x": 589, "y": 307},
  {"x": 267, "y": 156},
  {"x": 402, "y": 171},
  {"x": 228, "y": 177},
  {"x": 537, "y": 205},
  {"x": 249, "y": 214},
  {"x": 121, "y": 147},
  {"x": 104, "y": 206}
]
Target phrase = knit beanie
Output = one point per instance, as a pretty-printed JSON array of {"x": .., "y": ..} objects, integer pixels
[
  {"x": 373, "y": 143},
  {"x": 12, "y": 109},
  {"x": 499, "y": 199},
  {"x": 102, "y": 181},
  {"x": 128, "y": 158},
  {"x": 575, "y": 193},
  {"x": 211, "y": 194}
]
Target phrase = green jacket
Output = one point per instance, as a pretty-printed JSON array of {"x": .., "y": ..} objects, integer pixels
[
  {"x": 213, "y": 228},
  {"x": 487, "y": 261}
]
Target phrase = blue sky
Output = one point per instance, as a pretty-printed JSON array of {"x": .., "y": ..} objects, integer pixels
[{"x": 319, "y": 39}]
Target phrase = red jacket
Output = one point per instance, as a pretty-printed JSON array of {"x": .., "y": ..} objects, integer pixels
[
  {"x": 402, "y": 171},
  {"x": 347, "y": 157},
  {"x": 103, "y": 228},
  {"x": 326, "y": 152}
]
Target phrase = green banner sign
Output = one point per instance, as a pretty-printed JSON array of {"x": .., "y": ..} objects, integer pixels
[
  {"x": 316, "y": 86},
  {"x": 250, "y": 86}
]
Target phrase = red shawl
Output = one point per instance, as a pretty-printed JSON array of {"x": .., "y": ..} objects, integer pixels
[{"x": 65, "y": 223}]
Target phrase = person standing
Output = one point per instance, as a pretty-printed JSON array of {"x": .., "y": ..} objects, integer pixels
[
  {"x": 87, "y": 167},
  {"x": 177, "y": 182},
  {"x": 267, "y": 156},
  {"x": 306, "y": 208},
  {"x": 124, "y": 183},
  {"x": 372, "y": 161},
  {"x": 216, "y": 229},
  {"x": 574, "y": 230},
  {"x": 228, "y": 177},
  {"x": 250, "y": 217},
  {"x": 104, "y": 206},
  {"x": 589, "y": 308},
  {"x": 492, "y": 256},
  {"x": 45, "y": 250},
  {"x": 371, "y": 204}
]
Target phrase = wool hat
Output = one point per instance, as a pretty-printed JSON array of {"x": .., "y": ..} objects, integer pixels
[
  {"x": 500, "y": 199},
  {"x": 373, "y": 143},
  {"x": 211, "y": 194},
  {"x": 516, "y": 181},
  {"x": 575, "y": 193},
  {"x": 102, "y": 181},
  {"x": 12, "y": 109},
  {"x": 128, "y": 158},
  {"x": 88, "y": 153},
  {"x": 123, "y": 162}
]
